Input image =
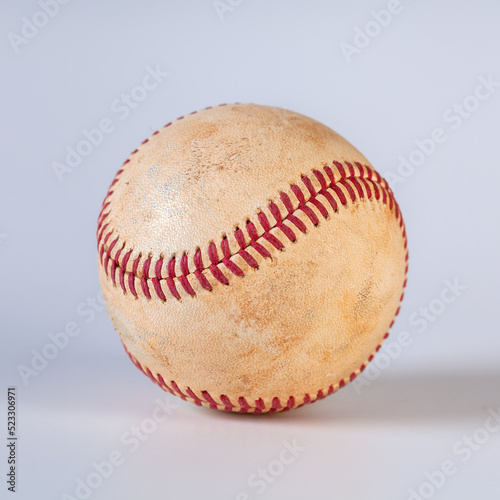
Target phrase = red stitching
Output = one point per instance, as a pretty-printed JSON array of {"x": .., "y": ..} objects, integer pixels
[
  {"x": 183, "y": 279},
  {"x": 242, "y": 405},
  {"x": 198, "y": 262},
  {"x": 347, "y": 185},
  {"x": 172, "y": 288},
  {"x": 163, "y": 385},
  {"x": 264, "y": 221},
  {"x": 367, "y": 183},
  {"x": 131, "y": 284},
  {"x": 196, "y": 400},
  {"x": 178, "y": 392},
  {"x": 218, "y": 274},
  {"x": 369, "y": 178},
  {"x": 186, "y": 285},
  {"x": 330, "y": 198},
  {"x": 158, "y": 289},
  {"x": 232, "y": 266},
  {"x": 275, "y": 405},
  {"x": 184, "y": 265},
  {"x": 252, "y": 232},
  {"x": 287, "y": 231},
  {"x": 171, "y": 268},
  {"x": 339, "y": 193},
  {"x": 145, "y": 287},
  {"x": 158, "y": 266},
  {"x": 228, "y": 406},
  {"x": 340, "y": 168},
  {"x": 321, "y": 179},
  {"x": 273, "y": 240},
  {"x": 298, "y": 193},
  {"x": 123, "y": 267},
  {"x": 321, "y": 208},
  {"x": 309, "y": 185},
  {"x": 358, "y": 187},
  {"x": 351, "y": 169},
  {"x": 135, "y": 266},
  {"x": 287, "y": 202},
  {"x": 210, "y": 400},
  {"x": 240, "y": 238}
]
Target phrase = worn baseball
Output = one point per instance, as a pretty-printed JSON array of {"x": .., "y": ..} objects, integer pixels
[{"x": 250, "y": 258}]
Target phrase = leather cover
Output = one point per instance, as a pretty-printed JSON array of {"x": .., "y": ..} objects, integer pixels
[{"x": 250, "y": 258}]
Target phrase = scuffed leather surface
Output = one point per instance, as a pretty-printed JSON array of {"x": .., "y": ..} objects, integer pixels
[
  {"x": 208, "y": 172},
  {"x": 302, "y": 321}
]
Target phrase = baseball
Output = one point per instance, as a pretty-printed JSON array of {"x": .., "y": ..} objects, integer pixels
[{"x": 250, "y": 258}]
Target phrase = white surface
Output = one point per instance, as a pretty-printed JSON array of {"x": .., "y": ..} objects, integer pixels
[{"x": 375, "y": 441}]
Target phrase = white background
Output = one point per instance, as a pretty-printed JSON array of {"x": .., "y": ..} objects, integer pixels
[{"x": 371, "y": 441}]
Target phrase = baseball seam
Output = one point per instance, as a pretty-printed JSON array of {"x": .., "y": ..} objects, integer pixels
[
  {"x": 171, "y": 277},
  {"x": 242, "y": 406}
]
